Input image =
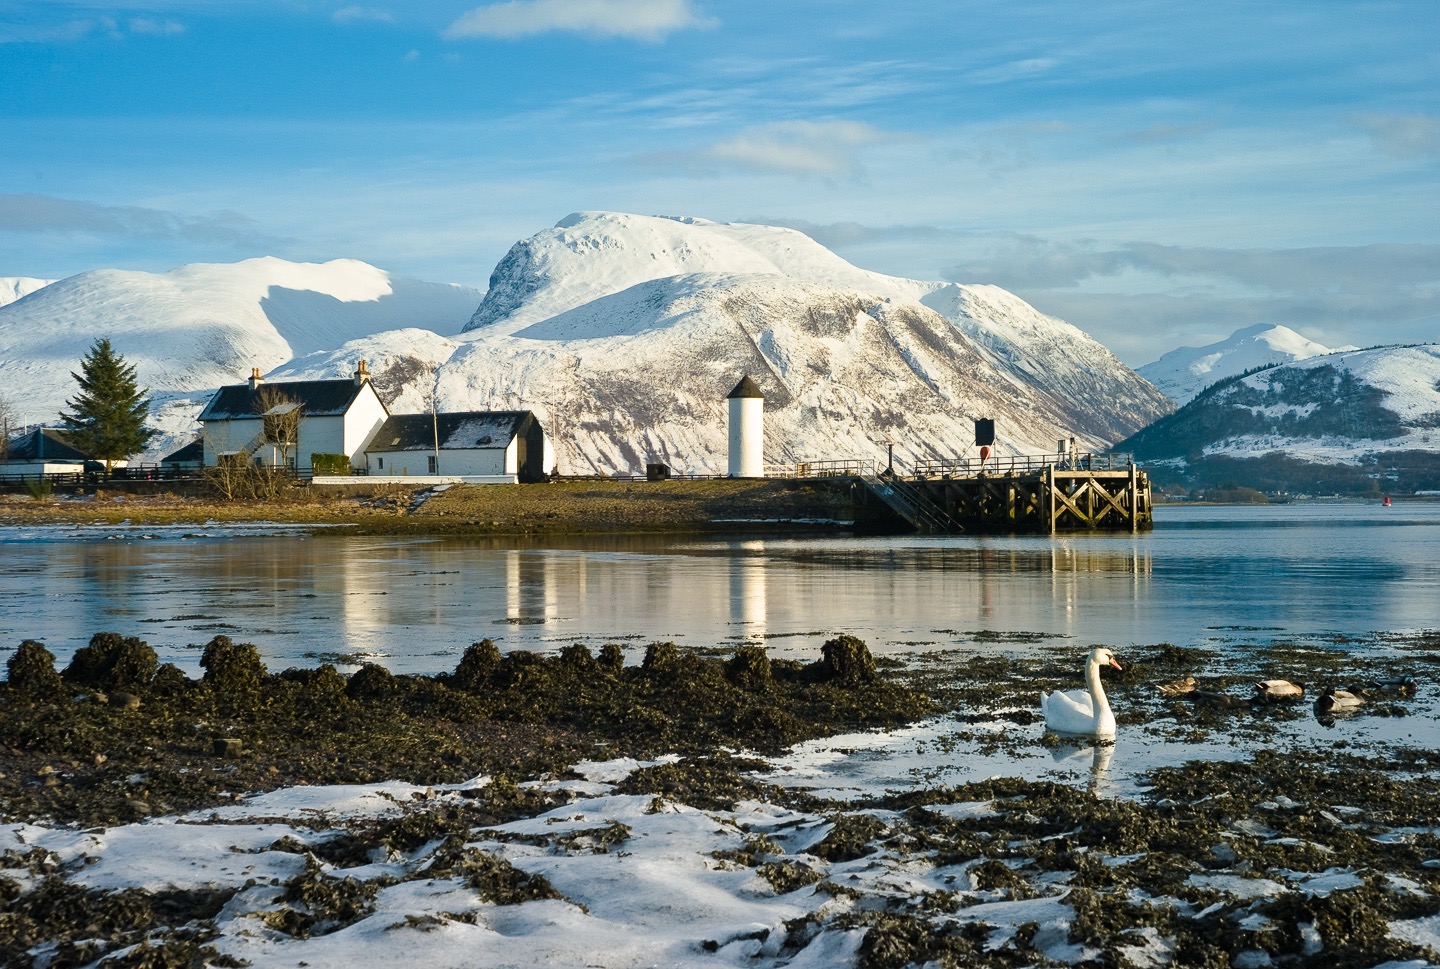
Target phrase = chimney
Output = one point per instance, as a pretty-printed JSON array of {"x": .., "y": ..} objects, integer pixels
[
  {"x": 255, "y": 379},
  {"x": 362, "y": 374}
]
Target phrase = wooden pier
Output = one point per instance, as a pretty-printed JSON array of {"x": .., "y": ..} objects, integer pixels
[{"x": 1045, "y": 494}]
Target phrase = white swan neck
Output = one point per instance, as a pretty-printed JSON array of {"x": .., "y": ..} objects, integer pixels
[{"x": 1104, "y": 720}]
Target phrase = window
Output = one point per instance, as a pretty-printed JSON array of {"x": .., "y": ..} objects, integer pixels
[
  {"x": 380, "y": 463},
  {"x": 434, "y": 465}
]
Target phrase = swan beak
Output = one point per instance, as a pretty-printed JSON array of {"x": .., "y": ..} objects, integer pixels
[{"x": 1116, "y": 663}]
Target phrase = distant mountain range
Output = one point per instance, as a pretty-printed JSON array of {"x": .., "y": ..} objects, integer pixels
[
  {"x": 625, "y": 332},
  {"x": 1346, "y": 421},
  {"x": 1183, "y": 373}
]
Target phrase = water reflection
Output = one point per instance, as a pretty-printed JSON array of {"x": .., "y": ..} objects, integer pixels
[
  {"x": 747, "y": 591},
  {"x": 1237, "y": 576}
]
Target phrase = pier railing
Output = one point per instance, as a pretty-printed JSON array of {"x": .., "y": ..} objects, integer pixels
[
  {"x": 1024, "y": 464},
  {"x": 842, "y": 468}
]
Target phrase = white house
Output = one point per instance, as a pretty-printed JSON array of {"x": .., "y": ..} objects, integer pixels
[
  {"x": 46, "y": 450},
  {"x": 468, "y": 443},
  {"x": 286, "y": 421}
]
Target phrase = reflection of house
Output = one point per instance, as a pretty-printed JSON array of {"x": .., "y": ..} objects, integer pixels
[
  {"x": 45, "y": 450},
  {"x": 469, "y": 443},
  {"x": 284, "y": 422}
]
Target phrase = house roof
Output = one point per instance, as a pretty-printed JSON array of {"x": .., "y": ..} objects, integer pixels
[
  {"x": 470, "y": 430},
  {"x": 192, "y": 453},
  {"x": 45, "y": 444},
  {"x": 318, "y": 398}
]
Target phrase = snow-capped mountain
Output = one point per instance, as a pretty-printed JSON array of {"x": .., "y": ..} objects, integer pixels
[
  {"x": 625, "y": 333},
  {"x": 1184, "y": 372},
  {"x": 15, "y": 287},
  {"x": 202, "y": 325},
  {"x": 1348, "y": 407}
]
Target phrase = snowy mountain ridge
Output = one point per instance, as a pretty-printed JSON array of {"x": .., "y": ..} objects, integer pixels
[
  {"x": 1351, "y": 408},
  {"x": 17, "y": 287},
  {"x": 199, "y": 326},
  {"x": 623, "y": 333},
  {"x": 1184, "y": 372},
  {"x": 845, "y": 356}
]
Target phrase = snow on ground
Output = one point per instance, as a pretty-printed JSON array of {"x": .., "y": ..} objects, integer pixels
[{"x": 633, "y": 880}]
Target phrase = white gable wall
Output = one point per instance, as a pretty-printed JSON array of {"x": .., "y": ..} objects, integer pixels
[
  {"x": 331, "y": 434},
  {"x": 362, "y": 420},
  {"x": 453, "y": 461}
]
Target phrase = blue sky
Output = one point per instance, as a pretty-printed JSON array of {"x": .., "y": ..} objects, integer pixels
[{"x": 1158, "y": 172}]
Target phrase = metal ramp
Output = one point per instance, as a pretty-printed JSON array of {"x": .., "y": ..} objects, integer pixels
[{"x": 911, "y": 504}]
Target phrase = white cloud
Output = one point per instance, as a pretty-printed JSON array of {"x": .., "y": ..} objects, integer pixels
[
  {"x": 159, "y": 28},
  {"x": 353, "y": 13},
  {"x": 826, "y": 148},
  {"x": 1404, "y": 136},
  {"x": 648, "y": 20}
]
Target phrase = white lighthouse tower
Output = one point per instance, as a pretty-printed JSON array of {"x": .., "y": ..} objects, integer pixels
[{"x": 747, "y": 430}]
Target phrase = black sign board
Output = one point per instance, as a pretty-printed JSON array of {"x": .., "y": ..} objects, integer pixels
[{"x": 984, "y": 431}]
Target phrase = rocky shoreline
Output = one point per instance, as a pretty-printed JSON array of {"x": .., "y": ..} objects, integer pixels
[{"x": 511, "y": 775}]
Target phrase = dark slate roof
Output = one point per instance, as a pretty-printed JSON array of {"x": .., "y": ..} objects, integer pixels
[
  {"x": 746, "y": 388},
  {"x": 45, "y": 444},
  {"x": 192, "y": 453},
  {"x": 319, "y": 398},
  {"x": 474, "y": 430}
]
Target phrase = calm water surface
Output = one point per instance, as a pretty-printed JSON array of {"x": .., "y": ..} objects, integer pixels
[{"x": 1237, "y": 575}]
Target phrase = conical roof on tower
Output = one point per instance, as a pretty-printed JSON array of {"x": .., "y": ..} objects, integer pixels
[{"x": 745, "y": 388}]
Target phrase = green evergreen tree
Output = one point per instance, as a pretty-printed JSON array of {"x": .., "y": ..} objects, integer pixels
[{"x": 107, "y": 417}]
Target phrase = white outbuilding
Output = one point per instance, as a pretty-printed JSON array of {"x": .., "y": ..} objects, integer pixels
[
  {"x": 747, "y": 430},
  {"x": 462, "y": 444}
]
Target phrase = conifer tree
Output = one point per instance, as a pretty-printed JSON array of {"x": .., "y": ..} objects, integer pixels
[{"x": 107, "y": 417}]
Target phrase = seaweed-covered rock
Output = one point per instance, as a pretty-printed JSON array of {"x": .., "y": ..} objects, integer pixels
[
  {"x": 612, "y": 658},
  {"x": 170, "y": 681},
  {"x": 113, "y": 662},
  {"x": 477, "y": 666},
  {"x": 749, "y": 669},
  {"x": 371, "y": 682},
  {"x": 661, "y": 658},
  {"x": 844, "y": 660},
  {"x": 31, "y": 672},
  {"x": 233, "y": 671},
  {"x": 577, "y": 657},
  {"x": 849, "y": 838}
]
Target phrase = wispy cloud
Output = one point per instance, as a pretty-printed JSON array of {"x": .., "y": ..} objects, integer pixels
[
  {"x": 814, "y": 148},
  {"x": 650, "y": 20},
  {"x": 1168, "y": 131},
  {"x": 71, "y": 29},
  {"x": 1194, "y": 294},
  {"x": 1404, "y": 136},
  {"x": 354, "y": 13},
  {"x": 31, "y": 213},
  {"x": 1376, "y": 270},
  {"x": 159, "y": 28}
]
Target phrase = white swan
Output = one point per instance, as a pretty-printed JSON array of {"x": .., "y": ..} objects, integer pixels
[{"x": 1084, "y": 713}]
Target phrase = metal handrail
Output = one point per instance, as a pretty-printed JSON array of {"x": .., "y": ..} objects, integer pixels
[{"x": 1025, "y": 463}]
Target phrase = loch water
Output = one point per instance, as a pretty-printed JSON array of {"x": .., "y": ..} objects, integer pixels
[{"x": 1226, "y": 575}]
